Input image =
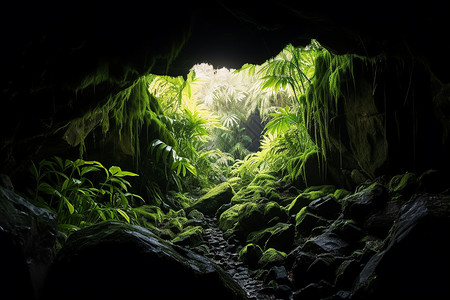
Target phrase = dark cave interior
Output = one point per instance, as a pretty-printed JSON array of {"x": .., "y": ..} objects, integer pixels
[{"x": 54, "y": 60}]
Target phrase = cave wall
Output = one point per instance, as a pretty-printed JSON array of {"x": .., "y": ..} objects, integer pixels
[{"x": 61, "y": 60}]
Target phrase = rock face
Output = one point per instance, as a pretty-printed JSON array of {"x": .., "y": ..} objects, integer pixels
[
  {"x": 414, "y": 262},
  {"x": 121, "y": 261},
  {"x": 28, "y": 237}
]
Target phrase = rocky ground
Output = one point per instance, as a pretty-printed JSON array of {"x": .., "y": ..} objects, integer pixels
[{"x": 387, "y": 238}]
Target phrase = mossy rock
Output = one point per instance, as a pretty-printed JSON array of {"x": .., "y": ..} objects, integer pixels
[
  {"x": 209, "y": 203},
  {"x": 403, "y": 184},
  {"x": 195, "y": 214},
  {"x": 280, "y": 236},
  {"x": 273, "y": 210},
  {"x": 250, "y": 255},
  {"x": 305, "y": 222},
  {"x": 302, "y": 200},
  {"x": 190, "y": 236},
  {"x": 175, "y": 224},
  {"x": 271, "y": 257},
  {"x": 251, "y": 217},
  {"x": 230, "y": 217},
  {"x": 340, "y": 194},
  {"x": 150, "y": 214},
  {"x": 324, "y": 189}
]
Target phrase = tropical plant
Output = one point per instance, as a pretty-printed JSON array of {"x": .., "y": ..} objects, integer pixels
[{"x": 83, "y": 192}]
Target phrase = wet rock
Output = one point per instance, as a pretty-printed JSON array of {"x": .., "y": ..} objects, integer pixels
[
  {"x": 306, "y": 221},
  {"x": 123, "y": 261},
  {"x": 302, "y": 261},
  {"x": 28, "y": 238},
  {"x": 282, "y": 238},
  {"x": 278, "y": 274},
  {"x": 359, "y": 205},
  {"x": 346, "y": 274},
  {"x": 327, "y": 243},
  {"x": 326, "y": 207},
  {"x": 414, "y": 262},
  {"x": 318, "y": 290},
  {"x": 347, "y": 230}
]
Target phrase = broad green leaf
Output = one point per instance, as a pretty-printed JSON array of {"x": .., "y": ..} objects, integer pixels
[
  {"x": 114, "y": 169},
  {"x": 88, "y": 169}
]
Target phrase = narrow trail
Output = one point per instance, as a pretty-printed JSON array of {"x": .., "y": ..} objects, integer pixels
[{"x": 224, "y": 254}]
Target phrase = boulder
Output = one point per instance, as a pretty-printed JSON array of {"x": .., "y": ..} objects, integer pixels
[
  {"x": 28, "y": 239},
  {"x": 114, "y": 260},
  {"x": 250, "y": 255},
  {"x": 251, "y": 217},
  {"x": 414, "y": 262},
  {"x": 326, "y": 207},
  {"x": 271, "y": 257},
  {"x": 327, "y": 243},
  {"x": 230, "y": 217},
  {"x": 209, "y": 203},
  {"x": 190, "y": 236},
  {"x": 281, "y": 236},
  {"x": 359, "y": 205},
  {"x": 305, "y": 222}
]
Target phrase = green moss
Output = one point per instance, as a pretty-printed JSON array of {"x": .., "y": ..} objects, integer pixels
[
  {"x": 273, "y": 210},
  {"x": 191, "y": 235},
  {"x": 149, "y": 214},
  {"x": 195, "y": 214},
  {"x": 341, "y": 194},
  {"x": 324, "y": 189},
  {"x": 250, "y": 255},
  {"x": 271, "y": 257},
  {"x": 402, "y": 183},
  {"x": 216, "y": 197},
  {"x": 229, "y": 218},
  {"x": 260, "y": 237},
  {"x": 251, "y": 217},
  {"x": 304, "y": 199}
]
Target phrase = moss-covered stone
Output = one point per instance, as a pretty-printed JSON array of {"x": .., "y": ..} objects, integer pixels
[
  {"x": 191, "y": 235},
  {"x": 149, "y": 214},
  {"x": 229, "y": 218},
  {"x": 175, "y": 224},
  {"x": 403, "y": 184},
  {"x": 251, "y": 217},
  {"x": 209, "y": 203},
  {"x": 341, "y": 194},
  {"x": 306, "y": 221},
  {"x": 273, "y": 211},
  {"x": 195, "y": 214},
  {"x": 271, "y": 257},
  {"x": 324, "y": 189},
  {"x": 304, "y": 199},
  {"x": 250, "y": 255},
  {"x": 280, "y": 236}
]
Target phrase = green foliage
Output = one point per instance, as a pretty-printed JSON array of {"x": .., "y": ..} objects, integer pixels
[{"x": 83, "y": 192}]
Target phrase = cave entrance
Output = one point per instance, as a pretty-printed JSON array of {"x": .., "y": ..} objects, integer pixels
[{"x": 233, "y": 119}]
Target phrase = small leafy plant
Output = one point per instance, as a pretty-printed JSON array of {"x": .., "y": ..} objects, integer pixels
[{"x": 82, "y": 192}]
